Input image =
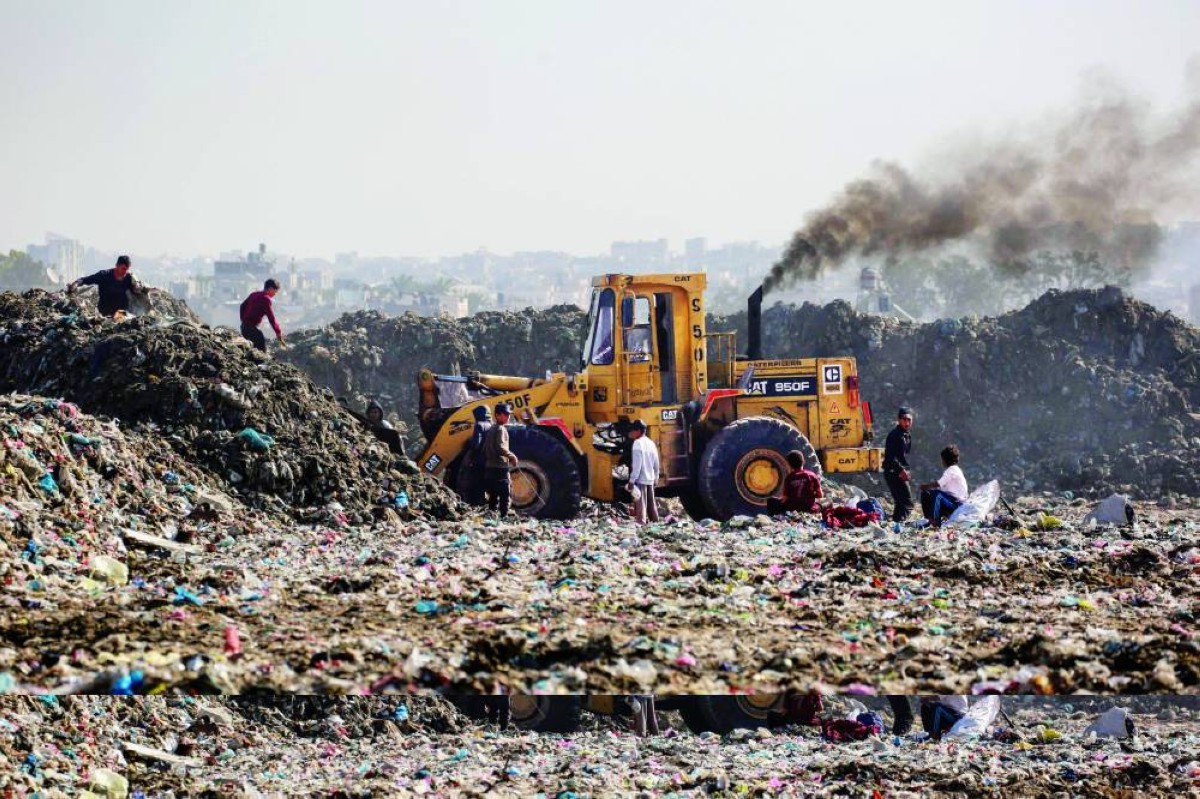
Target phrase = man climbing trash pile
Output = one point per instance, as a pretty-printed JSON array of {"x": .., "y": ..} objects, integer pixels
[{"x": 114, "y": 286}]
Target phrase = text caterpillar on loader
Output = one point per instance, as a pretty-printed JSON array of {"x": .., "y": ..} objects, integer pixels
[{"x": 723, "y": 424}]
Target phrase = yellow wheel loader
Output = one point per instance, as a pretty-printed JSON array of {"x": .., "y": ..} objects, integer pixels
[
  {"x": 723, "y": 423},
  {"x": 563, "y": 714}
]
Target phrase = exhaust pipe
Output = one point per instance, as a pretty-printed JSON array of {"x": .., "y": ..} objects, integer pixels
[{"x": 754, "y": 325}]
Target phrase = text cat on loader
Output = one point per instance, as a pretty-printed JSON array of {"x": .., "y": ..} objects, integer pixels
[{"x": 723, "y": 424}]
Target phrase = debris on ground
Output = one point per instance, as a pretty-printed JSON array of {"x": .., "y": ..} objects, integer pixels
[
  {"x": 354, "y": 746},
  {"x": 603, "y": 605}
]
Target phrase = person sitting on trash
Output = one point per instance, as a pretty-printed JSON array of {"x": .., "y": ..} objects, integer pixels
[
  {"x": 939, "y": 714},
  {"x": 802, "y": 489},
  {"x": 500, "y": 460},
  {"x": 114, "y": 285},
  {"x": 941, "y": 498}
]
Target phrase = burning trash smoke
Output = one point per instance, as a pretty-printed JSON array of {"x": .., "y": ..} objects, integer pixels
[{"x": 1096, "y": 181}]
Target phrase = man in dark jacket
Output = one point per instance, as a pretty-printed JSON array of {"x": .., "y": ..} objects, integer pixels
[
  {"x": 475, "y": 461},
  {"x": 895, "y": 464},
  {"x": 253, "y": 309},
  {"x": 115, "y": 285}
]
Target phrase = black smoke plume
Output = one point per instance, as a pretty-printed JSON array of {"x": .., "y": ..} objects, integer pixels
[{"x": 1096, "y": 180}]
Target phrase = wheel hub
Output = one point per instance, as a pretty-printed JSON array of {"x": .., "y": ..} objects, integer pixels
[{"x": 760, "y": 475}]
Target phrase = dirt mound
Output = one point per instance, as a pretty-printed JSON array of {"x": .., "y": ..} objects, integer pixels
[
  {"x": 366, "y": 355},
  {"x": 1087, "y": 391},
  {"x": 260, "y": 427}
]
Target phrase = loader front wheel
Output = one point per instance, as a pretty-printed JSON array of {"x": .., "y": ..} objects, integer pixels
[
  {"x": 745, "y": 463},
  {"x": 545, "y": 481}
]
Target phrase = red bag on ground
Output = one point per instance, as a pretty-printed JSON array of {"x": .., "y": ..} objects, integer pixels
[{"x": 839, "y": 516}]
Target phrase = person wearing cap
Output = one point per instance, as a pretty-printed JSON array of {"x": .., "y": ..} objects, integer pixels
[
  {"x": 643, "y": 473},
  {"x": 475, "y": 461},
  {"x": 499, "y": 460},
  {"x": 253, "y": 309},
  {"x": 114, "y": 285},
  {"x": 895, "y": 465}
]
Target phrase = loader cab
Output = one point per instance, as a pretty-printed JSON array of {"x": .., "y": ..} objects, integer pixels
[{"x": 644, "y": 344}]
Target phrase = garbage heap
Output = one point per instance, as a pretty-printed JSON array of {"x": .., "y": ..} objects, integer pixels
[
  {"x": 366, "y": 355},
  {"x": 1084, "y": 391},
  {"x": 129, "y": 746},
  {"x": 123, "y": 748},
  {"x": 258, "y": 427},
  {"x": 75, "y": 491}
]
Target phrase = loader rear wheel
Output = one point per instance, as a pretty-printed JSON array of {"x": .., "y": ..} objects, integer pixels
[
  {"x": 745, "y": 463},
  {"x": 546, "y": 713},
  {"x": 724, "y": 714},
  {"x": 545, "y": 481}
]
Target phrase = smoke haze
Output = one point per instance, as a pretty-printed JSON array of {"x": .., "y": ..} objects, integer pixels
[{"x": 1097, "y": 179}]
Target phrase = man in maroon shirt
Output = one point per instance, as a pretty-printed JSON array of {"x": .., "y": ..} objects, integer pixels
[
  {"x": 801, "y": 489},
  {"x": 254, "y": 308}
]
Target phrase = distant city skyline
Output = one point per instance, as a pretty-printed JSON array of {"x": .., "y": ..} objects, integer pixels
[{"x": 432, "y": 128}]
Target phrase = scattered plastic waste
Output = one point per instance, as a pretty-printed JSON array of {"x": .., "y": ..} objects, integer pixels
[{"x": 373, "y": 745}]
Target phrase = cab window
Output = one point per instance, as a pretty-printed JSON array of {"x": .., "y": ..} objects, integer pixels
[
  {"x": 598, "y": 349},
  {"x": 638, "y": 335}
]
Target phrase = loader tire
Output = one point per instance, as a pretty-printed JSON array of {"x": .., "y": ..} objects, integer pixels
[
  {"x": 724, "y": 714},
  {"x": 545, "y": 481},
  {"x": 745, "y": 463},
  {"x": 559, "y": 714}
]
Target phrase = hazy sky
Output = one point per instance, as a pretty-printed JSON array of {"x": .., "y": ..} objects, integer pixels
[{"x": 435, "y": 127}]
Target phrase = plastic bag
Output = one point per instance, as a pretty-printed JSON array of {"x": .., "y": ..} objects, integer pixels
[
  {"x": 1111, "y": 724},
  {"x": 978, "y": 505},
  {"x": 979, "y": 717},
  {"x": 1114, "y": 510},
  {"x": 854, "y": 708}
]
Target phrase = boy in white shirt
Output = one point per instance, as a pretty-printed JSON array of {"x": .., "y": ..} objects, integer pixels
[
  {"x": 940, "y": 499},
  {"x": 643, "y": 473}
]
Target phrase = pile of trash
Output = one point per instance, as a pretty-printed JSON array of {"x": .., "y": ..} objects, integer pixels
[
  {"x": 1039, "y": 601},
  {"x": 257, "y": 427},
  {"x": 365, "y": 355},
  {"x": 76, "y": 492},
  {"x": 1087, "y": 391},
  {"x": 120, "y": 748}
]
